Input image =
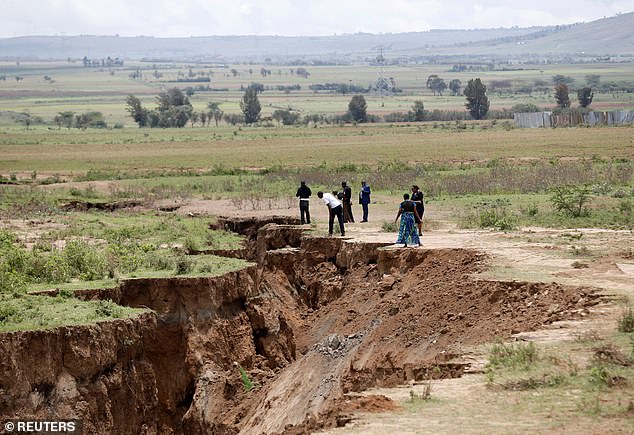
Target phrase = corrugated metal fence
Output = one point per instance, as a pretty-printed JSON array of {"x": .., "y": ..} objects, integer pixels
[{"x": 547, "y": 119}]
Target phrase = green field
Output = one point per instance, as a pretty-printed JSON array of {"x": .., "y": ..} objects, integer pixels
[
  {"x": 73, "y": 151},
  {"x": 74, "y": 88}
]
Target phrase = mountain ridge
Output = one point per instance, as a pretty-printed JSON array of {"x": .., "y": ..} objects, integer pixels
[{"x": 607, "y": 36}]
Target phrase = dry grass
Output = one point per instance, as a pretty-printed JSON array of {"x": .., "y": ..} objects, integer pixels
[{"x": 76, "y": 151}]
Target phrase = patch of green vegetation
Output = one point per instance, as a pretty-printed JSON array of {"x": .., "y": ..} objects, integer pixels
[
  {"x": 509, "y": 211},
  {"x": 145, "y": 231},
  {"x": 626, "y": 321},
  {"x": 28, "y": 312},
  {"x": 246, "y": 382},
  {"x": 523, "y": 367}
]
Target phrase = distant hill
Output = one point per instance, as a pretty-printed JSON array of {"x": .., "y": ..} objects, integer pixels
[{"x": 609, "y": 36}]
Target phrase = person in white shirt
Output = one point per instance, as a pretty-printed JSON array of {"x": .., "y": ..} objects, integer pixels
[{"x": 334, "y": 209}]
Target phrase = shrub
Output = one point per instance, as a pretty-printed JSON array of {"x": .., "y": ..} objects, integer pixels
[
  {"x": 158, "y": 261},
  {"x": 389, "y": 227},
  {"x": 520, "y": 355},
  {"x": 571, "y": 201},
  {"x": 600, "y": 375},
  {"x": 84, "y": 261},
  {"x": 11, "y": 282},
  {"x": 51, "y": 267},
  {"x": 108, "y": 309},
  {"x": 184, "y": 265},
  {"x": 601, "y": 188},
  {"x": 125, "y": 257},
  {"x": 525, "y": 107},
  {"x": 626, "y": 321},
  {"x": 491, "y": 214},
  {"x": 7, "y": 312},
  {"x": 246, "y": 382}
]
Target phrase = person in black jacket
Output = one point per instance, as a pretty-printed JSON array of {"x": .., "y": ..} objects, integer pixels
[
  {"x": 347, "y": 202},
  {"x": 303, "y": 193},
  {"x": 418, "y": 199}
]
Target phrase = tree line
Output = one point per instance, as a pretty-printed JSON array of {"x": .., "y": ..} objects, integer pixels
[{"x": 174, "y": 109}]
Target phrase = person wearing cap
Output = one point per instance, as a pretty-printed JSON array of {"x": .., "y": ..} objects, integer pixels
[
  {"x": 303, "y": 193},
  {"x": 334, "y": 209},
  {"x": 364, "y": 199}
]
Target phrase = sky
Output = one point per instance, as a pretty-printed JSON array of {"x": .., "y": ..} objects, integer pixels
[{"x": 171, "y": 18}]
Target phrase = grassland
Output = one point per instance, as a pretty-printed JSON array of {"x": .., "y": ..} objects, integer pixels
[
  {"x": 75, "y": 88},
  {"x": 73, "y": 151},
  {"x": 479, "y": 173}
]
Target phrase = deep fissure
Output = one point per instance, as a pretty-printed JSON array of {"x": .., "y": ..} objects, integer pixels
[{"x": 313, "y": 320}]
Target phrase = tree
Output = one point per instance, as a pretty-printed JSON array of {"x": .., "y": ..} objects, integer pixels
[
  {"x": 174, "y": 108},
  {"x": 559, "y": 78},
  {"x": 136, "y": 110},
  {"x": 455, "y": 86},
  {"x": 477, "y": 101},
  {"x": 65, "y": 119},
  {"x": 90, "y": 119},
  {"x": 173, "y": 97},
  {"x": 286, "y": 117},
  {"x": 357, "y": 109},
  {"x": 561, "y": 96},
  {"x": 418, "y": 111},
  {"x": 438, "y": 85},
  {"x": 593, "y": 80},
  {"x": 585, "y": 95},
  {"x": 215, "y": 112},
  {"x": 194, "y": 118},
  {"x": 250, "y": 106},
  {"x": 302, "y": 72}
]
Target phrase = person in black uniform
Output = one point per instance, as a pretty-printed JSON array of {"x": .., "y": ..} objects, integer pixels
[
  {"x": 417, "y": 198},
  {"x": 347, "y": 202},
  {"x": 303, "y": 193}
]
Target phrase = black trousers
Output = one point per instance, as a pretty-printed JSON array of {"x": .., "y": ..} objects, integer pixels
[
  {"x": 337, "y": 211},
  {"x": 347, "y": 211},
  {"x": 304, "y": 211}
]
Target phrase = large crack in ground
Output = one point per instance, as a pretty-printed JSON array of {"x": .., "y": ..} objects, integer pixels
[{"x": 316, "y": 320}]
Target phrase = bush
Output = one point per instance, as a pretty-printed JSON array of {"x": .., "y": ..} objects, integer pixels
[
  {"x": 525, "y": 108},
  {"x": 11, "y": 282},
  {"x": 520, "y": 355},
  {"x": 571, "y": 201},
  {"x": 626, "y": 321},
  {"x": 84, "y": 261},
  {"x": 109, "y": 309},
  {"x": 389, "y": 227},
  {"x": 51, "y": 267},
  {"x": 491, "y": 214},
  {"x": 184, "y": 265}
]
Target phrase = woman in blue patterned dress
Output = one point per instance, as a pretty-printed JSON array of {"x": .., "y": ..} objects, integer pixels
[{"x": 407, "y": 232}]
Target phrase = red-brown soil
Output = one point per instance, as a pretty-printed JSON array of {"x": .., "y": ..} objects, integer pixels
[{"x": 317, "y": 320}]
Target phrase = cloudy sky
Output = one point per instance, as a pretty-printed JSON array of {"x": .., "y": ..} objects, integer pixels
[{"x": 287, "y": 17}]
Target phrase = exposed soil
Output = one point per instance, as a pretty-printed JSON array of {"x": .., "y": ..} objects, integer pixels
[{"x": 316, "y": 321}]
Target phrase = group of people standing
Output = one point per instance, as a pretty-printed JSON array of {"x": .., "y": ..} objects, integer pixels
[{"x": 339, "y": 205}]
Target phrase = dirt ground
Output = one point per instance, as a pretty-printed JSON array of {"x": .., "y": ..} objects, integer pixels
[
  {"x": 466, "y": 404},
  {"x": 341, "y": 331}
]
